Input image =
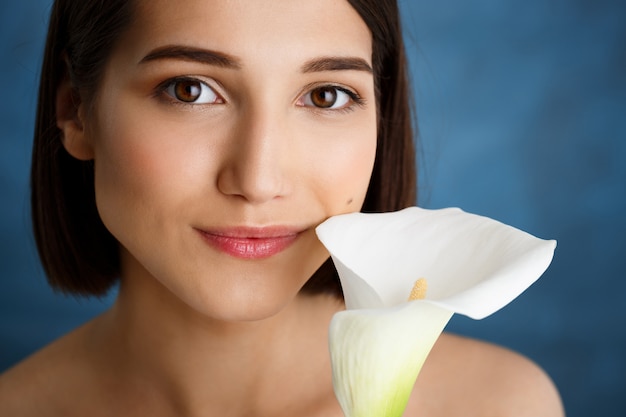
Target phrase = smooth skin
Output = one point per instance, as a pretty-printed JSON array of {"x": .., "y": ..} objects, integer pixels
[{"x": 213, "y": 117}]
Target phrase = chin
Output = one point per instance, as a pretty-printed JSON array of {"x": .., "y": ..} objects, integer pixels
[
  {"x": 244, "y": 298},
  {"x": 247, "y": 308}
]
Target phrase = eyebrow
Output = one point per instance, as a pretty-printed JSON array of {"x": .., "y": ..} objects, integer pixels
[
  {"x": 186, "y": 53},
  {"x": 336, "y": 64},
  {"x": 220, "y": 59}
]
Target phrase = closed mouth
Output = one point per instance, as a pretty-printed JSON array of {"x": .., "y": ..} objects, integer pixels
[{"x": 251, "y": 243}]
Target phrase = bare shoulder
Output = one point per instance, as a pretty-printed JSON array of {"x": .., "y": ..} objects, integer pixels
[
  {"x": 40, "y": 385},
  {"x": 472, "y": 378},
  {"x": 23, "y": 386}
]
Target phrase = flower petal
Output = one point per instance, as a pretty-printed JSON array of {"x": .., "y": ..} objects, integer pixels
[
  {"x": 474, "y": 265},
  {"x": 377, "y": 355},
  {"x": 357, "y": 292}
]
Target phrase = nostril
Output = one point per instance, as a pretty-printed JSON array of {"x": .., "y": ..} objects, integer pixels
[
  {"x": 255, "y": 163},
  {"x": 256, "y": 183}
]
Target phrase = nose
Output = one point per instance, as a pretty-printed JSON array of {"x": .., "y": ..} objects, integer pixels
[{"x": 255, "y": 167}]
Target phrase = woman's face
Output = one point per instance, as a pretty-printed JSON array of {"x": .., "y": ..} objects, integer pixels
[{"x": 223, "y": 133}]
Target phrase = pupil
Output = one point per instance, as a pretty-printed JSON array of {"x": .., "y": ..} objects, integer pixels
[
  {"x": 188, "y": 91},
  {"x": 324, "y": 97}
]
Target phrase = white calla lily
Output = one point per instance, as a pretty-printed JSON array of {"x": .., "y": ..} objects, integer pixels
[{"x": 473, "y": 266}]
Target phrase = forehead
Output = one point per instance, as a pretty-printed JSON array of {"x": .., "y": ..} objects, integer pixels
[{"x": 272, "y": 31}]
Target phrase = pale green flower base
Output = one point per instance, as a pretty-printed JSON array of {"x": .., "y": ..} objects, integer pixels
[{"x": 378, "y": 353}]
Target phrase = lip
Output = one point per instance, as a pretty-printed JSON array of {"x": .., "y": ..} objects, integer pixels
[{"x": 251, "y": 242}]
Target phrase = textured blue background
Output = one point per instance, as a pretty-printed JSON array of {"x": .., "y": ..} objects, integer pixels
[{"x": 522, "y": 111}]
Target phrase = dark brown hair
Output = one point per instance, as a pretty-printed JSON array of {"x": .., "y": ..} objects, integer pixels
[{"x": 78, "y": 253}]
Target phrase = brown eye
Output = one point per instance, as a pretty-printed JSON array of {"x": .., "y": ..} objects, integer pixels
[
  {"x": 192, "y": 91},
  {"x": 324, "y": 97},
  {"x": 187, "y": 90},
  {"x": 329, "y": 97}
]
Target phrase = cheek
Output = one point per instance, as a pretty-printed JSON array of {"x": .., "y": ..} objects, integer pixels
[
  {"x": 356, "y": 173},
  {"x": 124, "y": 166},
  {"x": 346, "y": 169},
  {"x": 142, "y": 172}
]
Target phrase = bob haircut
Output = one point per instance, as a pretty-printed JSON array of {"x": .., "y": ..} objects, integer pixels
[{"x": 78, "y": 253}]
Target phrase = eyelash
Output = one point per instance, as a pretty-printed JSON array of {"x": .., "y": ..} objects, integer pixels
[
  {"x": 162, "y": 91},
  {"x": 354, "y": 99}
]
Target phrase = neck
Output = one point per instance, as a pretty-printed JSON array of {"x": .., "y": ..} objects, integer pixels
[{"x": 194, "y": 364}]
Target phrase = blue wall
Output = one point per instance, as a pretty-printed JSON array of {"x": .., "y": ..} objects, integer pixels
[{"x": 523, "y": 118}]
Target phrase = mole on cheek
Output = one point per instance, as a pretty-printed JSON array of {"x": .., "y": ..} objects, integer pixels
[{"x": 350, "y": 200}]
